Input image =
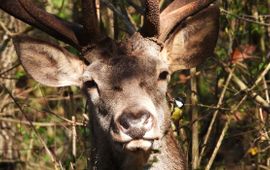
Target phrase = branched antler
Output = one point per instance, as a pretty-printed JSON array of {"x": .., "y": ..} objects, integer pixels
[
  {"x": 78, "y": 35},
  {"x": 90, "y": 21},
  {"x": 151, "y": 24},
  {"x": 28, "y": 12},
  {"x": 176, "y": 12}
]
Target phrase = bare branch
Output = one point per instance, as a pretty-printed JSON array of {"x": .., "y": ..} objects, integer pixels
[
  {"x": 210, "y": 127},
  {"x": 40, "y": 124},
  {"x": 194, "y": 115},
  {"x": 243, "y": 87},
  {"x": 222, "y": 135},
  {"x": 128, "y": 24},
  {"x": 139, "y": 9},
  {"x": 243, "y": 18}
]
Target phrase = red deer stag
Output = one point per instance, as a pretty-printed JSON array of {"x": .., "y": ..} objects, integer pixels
[{"x": 125, "y": 82}]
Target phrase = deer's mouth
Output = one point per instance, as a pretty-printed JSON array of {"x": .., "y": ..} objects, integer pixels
[
  {"x": 139, "y": 144},
  {"x": 134, "y": 144}
]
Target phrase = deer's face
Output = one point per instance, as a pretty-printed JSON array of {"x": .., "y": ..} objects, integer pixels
[
  {"x": 127, "y": 87},
  {"x": 125, "y": 84}
]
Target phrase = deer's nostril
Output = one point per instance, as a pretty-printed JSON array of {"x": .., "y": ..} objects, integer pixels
[
  {"x": 135, "y": 124},
  {"x": 123, "y": 120}
]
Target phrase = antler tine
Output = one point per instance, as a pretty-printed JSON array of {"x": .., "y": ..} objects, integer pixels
[
  {"x": 151, "y": 26},
  {"x": 90, "y": 21},
  {"x": 28, "y": 12},
  {"x": 176, "y": 12}
]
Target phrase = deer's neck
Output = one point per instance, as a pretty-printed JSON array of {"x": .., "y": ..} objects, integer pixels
[{"x": 168, "y": 156}]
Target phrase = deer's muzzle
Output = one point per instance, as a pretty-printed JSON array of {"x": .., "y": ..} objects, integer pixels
[{"x": 137, "y": 128}]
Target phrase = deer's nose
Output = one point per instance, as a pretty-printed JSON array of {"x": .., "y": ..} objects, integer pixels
[{"x": 135, "y": 123}]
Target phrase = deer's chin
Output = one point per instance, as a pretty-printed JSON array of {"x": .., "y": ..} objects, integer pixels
[{"x": 139, "y": 145}]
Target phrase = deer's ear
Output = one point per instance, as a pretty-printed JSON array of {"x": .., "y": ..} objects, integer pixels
[
  {"x": 48, "y": 64},
  {"x": 192, "y": 40}
]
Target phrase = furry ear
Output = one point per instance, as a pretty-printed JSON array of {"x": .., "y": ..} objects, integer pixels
[
  {"x": 47, "y": 63},
  {"x": 193, "y": 40}
]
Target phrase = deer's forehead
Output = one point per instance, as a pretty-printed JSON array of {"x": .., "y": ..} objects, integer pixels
[
  {"x": 118, "y": 69},
  {"x": 137, "y": 58}
]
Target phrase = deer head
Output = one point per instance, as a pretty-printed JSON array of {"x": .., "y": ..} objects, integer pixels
[{"x": 125, "y": 82}]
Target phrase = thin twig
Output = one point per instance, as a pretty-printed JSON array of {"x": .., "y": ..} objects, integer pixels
[
  {"x": 127, "y": 15},
  {"x": 220, "y": 101},
  {"x": 39, "y": 124},
  {"x": 222, "y": 135},
  {"x": 61, "y": 7},
  {"x": 243, "y": 87},
  {"x": 266, "y": 90},
  {"x": 264, "y": 167},
  {"x": 3, "y": 26},
  {"x": 58, "y": 116},
  {"x": 128, "y": 24},
  {"x": 74, "y": 138},
  {"x": 261, "y": 76},
  {"x": 136, "y": 7},
  {"x": 194, "y": 115},
  {"x": 28, "y": 155},
  {"x": 11, "y": 34},
  {"x": 9, "y": 69},
  {"x": 48, "y": 98},
  {"x": 209, "y": 107},
  {"x": 243, "y": 18}
]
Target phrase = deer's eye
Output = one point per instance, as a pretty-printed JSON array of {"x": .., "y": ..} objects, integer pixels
[
  {"x": 117, "y": 88},
  {"x": 163, "y": 75},
  {"x": 90, "y": 84},
  {"x": 92, "y": 91}
]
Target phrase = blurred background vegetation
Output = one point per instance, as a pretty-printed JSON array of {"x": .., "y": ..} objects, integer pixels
[{"x": 225, "y": 121}]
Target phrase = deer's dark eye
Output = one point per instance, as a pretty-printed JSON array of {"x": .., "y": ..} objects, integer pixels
[
  {"x": 163, "y": 75},
  {"x": 91, "y": 90},
  {"x": 90, "y": 84},
  {"x": 117, "y": 88}
]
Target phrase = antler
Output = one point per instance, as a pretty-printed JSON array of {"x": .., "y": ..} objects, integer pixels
[
  {"x": 75, "y": 34},
  {"x": 90, "y": 21},
  {"x": 28, "y": 12},
  {"x": 151, "y": 22},
  {"x": 176, "y": 12}
]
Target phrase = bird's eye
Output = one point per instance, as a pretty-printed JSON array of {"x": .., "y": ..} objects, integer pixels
[
  {"x": 163, "y": 75},
  {"x": 179, "y": 102}
]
